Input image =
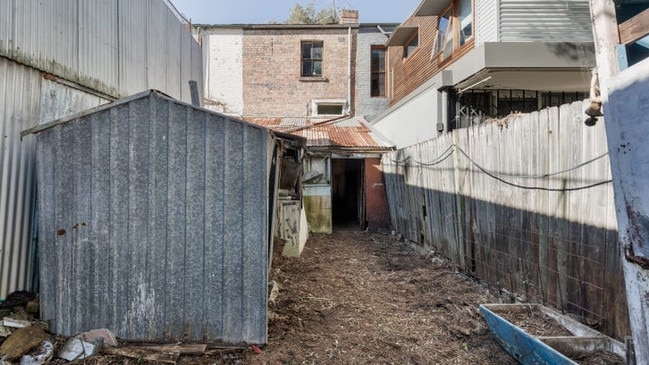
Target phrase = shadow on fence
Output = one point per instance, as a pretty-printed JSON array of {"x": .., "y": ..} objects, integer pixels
[{"x": 528, "y": 209}]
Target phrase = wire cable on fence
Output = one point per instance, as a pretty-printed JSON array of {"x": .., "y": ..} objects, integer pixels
[
  {"x": 443, "y": 156},
  {"x": 497, "y": 175}
]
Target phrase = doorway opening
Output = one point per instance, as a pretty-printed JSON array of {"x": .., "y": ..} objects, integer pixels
[{"x": 347, "y": 193}]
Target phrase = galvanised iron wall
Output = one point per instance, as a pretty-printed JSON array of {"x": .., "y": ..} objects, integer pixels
[
  {"x": 153, "y": 222},
  {"x": 61, "y": 57},
  {"x": 117, "y": 47},
  {"x": 26, "y": 99},
  {"x": 19, "y": 109}
]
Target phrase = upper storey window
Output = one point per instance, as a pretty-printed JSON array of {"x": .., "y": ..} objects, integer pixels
[
  {"x": 455, "y": 28},
  {"x": 412, "y": 45},
  {"x": 378, "y": 71},
  {"x": 312, "y": 58},
  {"x": 407, "y": 37}
]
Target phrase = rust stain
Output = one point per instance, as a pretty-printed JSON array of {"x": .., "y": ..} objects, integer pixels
[
  {"x": 348, "y": 133},
  {"x": 630, "y": 256},
  {"x": 50, "y": 77},
  {"x": 60, "y": 232},
  {"x": 76, "y": 226},
  {"x": 638, "y": 224}
]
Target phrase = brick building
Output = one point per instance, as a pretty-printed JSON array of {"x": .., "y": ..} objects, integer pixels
[
  {"x": 300, "y": 77},
  {"x": 263, "y": 70}
]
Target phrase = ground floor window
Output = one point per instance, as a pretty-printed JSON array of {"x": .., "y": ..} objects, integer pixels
[{"x": 476, "y": 106}]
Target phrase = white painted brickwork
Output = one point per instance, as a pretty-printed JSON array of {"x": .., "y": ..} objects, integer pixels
[{"x": 224, "y": 70}]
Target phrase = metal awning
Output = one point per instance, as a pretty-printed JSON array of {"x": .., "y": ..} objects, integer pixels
[
  {"x": 431, "y": 7},
  {"x": 401, "y": 35}
]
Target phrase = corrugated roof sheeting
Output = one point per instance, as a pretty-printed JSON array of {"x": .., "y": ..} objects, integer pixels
[
  {"x": 19, "y": 109},
  {"x": 292, "y": 122},
  {"x": 545, "y": 20},
  {"x": 118, "y": 47},
  {"x": 153, "y": 222},
  {"x": 350, "y": 133},
  {"x": 351, "y": 122}
]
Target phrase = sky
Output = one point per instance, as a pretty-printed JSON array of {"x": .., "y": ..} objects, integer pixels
[{"x": 263, "y": 11}]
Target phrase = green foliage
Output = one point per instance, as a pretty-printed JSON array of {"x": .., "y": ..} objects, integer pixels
[{"x": 308, "y": 15}]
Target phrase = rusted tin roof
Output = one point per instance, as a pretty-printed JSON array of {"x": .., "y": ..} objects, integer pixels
[{"x": 353, "y": 134}]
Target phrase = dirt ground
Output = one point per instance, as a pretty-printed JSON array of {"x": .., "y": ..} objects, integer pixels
[{"x": 361, "y": 298}]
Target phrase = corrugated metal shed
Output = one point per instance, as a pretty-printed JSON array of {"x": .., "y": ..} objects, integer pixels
[
  {"x": 545, "y": 21},
  {"x": 153, "y": 222},
  {"x": 117, "y": 47},
  {"x": 353, "y": 134},
  {"x": 19, "y": 109}
]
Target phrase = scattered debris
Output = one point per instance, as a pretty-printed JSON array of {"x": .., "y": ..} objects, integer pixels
[
  {"x": 182, "y": 349},
  {"x": 353, "y": 297},
  {"x": 256, "y": 349},
  {"x": 33, "y": 307},
  {"x": 108, "y": 337},
  {"x": 22, "y": 341},
  {"x": 76, "y": 349},
  {"x": 42, "y": 355},
  {"x": 17, "y": 299},
  {"x": 436, "y": 261},
  {"x": 15, "y": 323},
  {"x": 366, "y": 298},
  {"x": 169, "y": 357},
  {"x": 274, "y": 293}
]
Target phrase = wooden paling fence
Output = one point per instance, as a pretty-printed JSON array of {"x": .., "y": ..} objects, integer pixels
[{"x": 524, "y": 203}]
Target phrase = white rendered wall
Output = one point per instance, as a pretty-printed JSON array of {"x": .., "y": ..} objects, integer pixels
[
  {"x": 223, "y": 50},
  {"x": 413, "y": 121}
]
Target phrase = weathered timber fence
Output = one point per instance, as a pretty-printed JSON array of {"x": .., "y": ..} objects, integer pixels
[{"x": 525, "y": 204}]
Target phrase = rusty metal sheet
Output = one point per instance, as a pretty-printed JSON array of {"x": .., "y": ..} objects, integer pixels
[{"x": 351, "y": 133}]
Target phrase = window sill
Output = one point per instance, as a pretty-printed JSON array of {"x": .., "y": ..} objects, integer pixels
[
  {"x": 313, "y": 79},
  {"x": 458, "y": 53}
]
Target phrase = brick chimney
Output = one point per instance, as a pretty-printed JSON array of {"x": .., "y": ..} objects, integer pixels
[{"x": 348, "y": 16}]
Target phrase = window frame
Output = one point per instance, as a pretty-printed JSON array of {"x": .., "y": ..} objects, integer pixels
[
  {"x": 455, "y": 35},
  {"x": 316, "y": 103},
  {"x": 379, "y": 72},
  {"x": 406, "y": 53},
  {"x": 312, "y": 59}
]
